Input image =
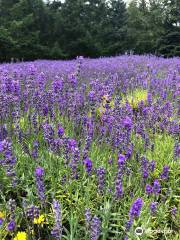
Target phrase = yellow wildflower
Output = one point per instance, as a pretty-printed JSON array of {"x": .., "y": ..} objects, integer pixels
[
  {"x": 21, "y": 236},
  {"x": 39, "y": 220},
  {"x": 1, "y": 215}
]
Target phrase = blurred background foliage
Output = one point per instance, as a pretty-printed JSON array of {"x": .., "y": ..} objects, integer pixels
[{"x": 37, "y": 29}]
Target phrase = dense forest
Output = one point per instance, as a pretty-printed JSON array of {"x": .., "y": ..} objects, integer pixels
[{"x": 36, "y": 29}]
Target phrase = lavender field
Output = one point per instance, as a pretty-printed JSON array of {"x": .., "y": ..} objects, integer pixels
[{"x": 89, "y": 149}]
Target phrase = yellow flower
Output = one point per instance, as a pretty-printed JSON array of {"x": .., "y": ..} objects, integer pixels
[
  {"x": 39, "y": 220},
  {"x": 21, "y": 236},
  {"x": 1, "y": 215}
]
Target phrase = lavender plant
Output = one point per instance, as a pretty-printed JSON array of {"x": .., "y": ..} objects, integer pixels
[{"x": 99, "y": 135}]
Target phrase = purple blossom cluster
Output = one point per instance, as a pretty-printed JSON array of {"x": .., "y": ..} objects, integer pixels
[
  {"x": 12, "y": 207},
  {"x": 39, "y": 173},
  {"x": 9, "y": 160},
  {"x": 57, "y": 229},
  {"x": 93, "y": 225},
  {"x": 155, "y": 188},
  {"x": 101, "y": 173},
  {"x": 134, "y": 212},
  {"x": 32, "y": 212}
]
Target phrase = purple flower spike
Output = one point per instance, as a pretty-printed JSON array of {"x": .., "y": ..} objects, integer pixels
[
  {"x": 57, "y": 229},
  {"x": 129, "y": 224},
  {"x": 39, "y": 172},
  {"x": 95, "y": 228},
  {"x": 145, "y": 174},
  {"x": 118, "y": 188},
  {"x": 101, "y": 173},
  {"x": 149, "y": 189},
  {"x": 9, "y": 161},
  {"x": 121, "y": 160},
  {"x": 176, "y": 150},
  {"x": 88, "y": 165},
  {"x": 88, "y": 218},
  {"x": 134, "y": 212},
  {"x": 32, "y": 212},
  {"x": 92, "y": 95},
  {"x": 152, "y": 165},
  {"x": 127, "y": 123},
  {"x": 110, "y": 161},
  {"x": 156, "y": 187},
  {"x": 72, "y": 143},
  {"x": 153, "y": 207},
  {"x": 165, "y": 172},
  {"x": 174, "y": 211},
  {"x": 1, "y": 221},
  {"x": 11, "y": 225},
  {"x": 60, "y": 131},
  {"x": 136, "y": 208},
  {"x": 93, "y": 225}
]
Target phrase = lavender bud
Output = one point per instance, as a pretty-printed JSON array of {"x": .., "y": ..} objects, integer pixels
[
  {"x": 57, "y": 229},
  {"x": 165, "y": 172},
  {"x": 153, "y": 207},
  {"x": 39, "y": 173},
  {"x": 149, "y": 189},
  {"x": 156, "y": 187},
  {"x": 11, "y": 225},
  {"x": 136, "y": 208},
  {"x": 95, "y": 228}
]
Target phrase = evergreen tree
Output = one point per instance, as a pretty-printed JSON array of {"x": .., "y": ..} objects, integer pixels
[
  {"x": 32, "y": 29},
  {"x": 6, "y": 45},
  {"x": 169, "y": 43},
  {"x": 116, "y": 28}
]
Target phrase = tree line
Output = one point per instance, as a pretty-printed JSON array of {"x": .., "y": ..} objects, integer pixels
[{"x": 36, "y": 29}]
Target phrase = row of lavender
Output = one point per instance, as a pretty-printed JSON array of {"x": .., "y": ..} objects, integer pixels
[{"x": 89, "y": 148}]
